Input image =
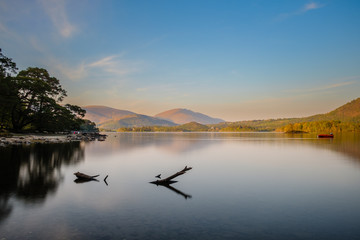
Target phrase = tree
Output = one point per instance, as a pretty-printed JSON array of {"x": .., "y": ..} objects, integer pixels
[
  {"x": 7, "y": 91},
  {"x": 7, "y": 66},
  {"x": 31, "y": 101},
  {"x": 37, "y": 97},
  {"x": 88, "y": 126},
  {"x": 37, "y": 103}
]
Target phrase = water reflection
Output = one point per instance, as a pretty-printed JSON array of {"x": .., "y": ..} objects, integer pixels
[
  {"x": 174, "y": 143},
  {"x": 168, "y": 186},
  {"x": 78, "y": 180},
  {"x": 347, "y": 143},
  {"x": 31, "y": 173},
  {"x": 245, "y": 186}
]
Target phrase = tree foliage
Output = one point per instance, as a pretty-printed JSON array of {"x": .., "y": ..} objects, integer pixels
[
  {"x": 7, "y": 91},
  {"x": 88, "y": 126},
  {"x": 31, "y": 101},
  {"x": 321, "y": 127}
]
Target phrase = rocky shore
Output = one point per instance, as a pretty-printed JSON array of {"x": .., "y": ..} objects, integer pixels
[{"x": 33, "y": 138}]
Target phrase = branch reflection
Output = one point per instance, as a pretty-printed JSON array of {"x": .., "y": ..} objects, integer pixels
[
  {"x": 79, "y": 180},
  {"x": 168, "y": 186}
]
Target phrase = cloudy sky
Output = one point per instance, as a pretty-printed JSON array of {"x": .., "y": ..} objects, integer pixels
[{"x": 235, "y": 60}]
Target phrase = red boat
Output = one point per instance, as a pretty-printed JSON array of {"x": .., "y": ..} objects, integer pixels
[{"x": 326, "y": 135}]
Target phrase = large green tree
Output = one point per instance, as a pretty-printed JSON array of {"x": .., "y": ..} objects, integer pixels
[
  {"x": 31, "y": 101},
  {"x": 37, "y": 106},
  {"x": 7, "y": 91}
]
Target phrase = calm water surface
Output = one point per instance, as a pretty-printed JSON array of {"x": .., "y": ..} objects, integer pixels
[{"x": 242, "y": 186}]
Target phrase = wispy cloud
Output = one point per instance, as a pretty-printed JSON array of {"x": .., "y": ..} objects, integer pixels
[
  {"x": 104, "y": 62},
  {"x": 306, "y": 8},
  {"x": 58, "y": 15},
  {"x": 7, "y": 32},
  {"x": 312, "y": 6},
  {"x": 3, "y": 28},
  {"x": 112, "y": 66},
  {"x": 331, "y": 86},
  {"x": 343, "y": 82}
]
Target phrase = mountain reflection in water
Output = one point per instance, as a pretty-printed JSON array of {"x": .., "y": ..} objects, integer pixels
[
  {"x": 177, "y": 143},
  {"x": 243, "y": 186}
]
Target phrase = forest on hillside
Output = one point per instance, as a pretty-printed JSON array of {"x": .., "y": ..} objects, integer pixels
[{"x": 321, "y": 126}]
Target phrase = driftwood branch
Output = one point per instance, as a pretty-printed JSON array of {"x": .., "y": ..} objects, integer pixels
[
  {"x": 83, "y": 176},
  {"x": 105, "y": 180},
  {"x": 168, "y": 180}
]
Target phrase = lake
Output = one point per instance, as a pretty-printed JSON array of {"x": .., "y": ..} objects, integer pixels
[{"x": 242, "y": 186}]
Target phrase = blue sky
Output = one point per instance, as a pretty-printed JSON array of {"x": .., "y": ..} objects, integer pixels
[{"x": 236, "y": 60}]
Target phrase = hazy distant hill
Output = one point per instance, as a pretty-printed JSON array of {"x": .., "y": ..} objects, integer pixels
[
  {"x": 110, "y": 118},
  {"x": 192, "y": 127},
  {"x": 99, "y": 114},
  {"x": 181, "y": 116},
  {"x": 348, "y": 112},
  {"x": 134, "y": 120},
  {"x": 343, "y": 119}
]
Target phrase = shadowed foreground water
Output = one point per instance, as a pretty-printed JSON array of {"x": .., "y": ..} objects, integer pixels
[{"x": 242, "y": 186}]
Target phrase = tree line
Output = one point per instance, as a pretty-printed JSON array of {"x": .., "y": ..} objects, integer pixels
[
  {"x": 301, "y": 127},
  {"x": 30, "y": 100},
  {"x": 321, "y": 127}
]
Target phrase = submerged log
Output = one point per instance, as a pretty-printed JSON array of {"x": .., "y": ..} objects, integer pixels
[
  {"x": 168, "y": 180},
  {"x": 83, "y": 176}
]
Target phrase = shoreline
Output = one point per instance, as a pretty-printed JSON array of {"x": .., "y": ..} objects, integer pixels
[{"x": 27, "y": 139}]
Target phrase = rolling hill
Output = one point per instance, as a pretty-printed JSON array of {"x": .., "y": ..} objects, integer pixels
[
  {"x": 182, "y": 116},
  {"x": 349, "y": 112},
  {"x": 192, "y": 127},
  {"x": 110, "y": 118},
  {"x": 99, "y": 114},
  {"x": 134, "y": 120}
]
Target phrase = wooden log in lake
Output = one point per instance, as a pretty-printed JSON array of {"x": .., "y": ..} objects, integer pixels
[
  {"x": 168, "y": 180},
  {"x": 85, "y": 176}
]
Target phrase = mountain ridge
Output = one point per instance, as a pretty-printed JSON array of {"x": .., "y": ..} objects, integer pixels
[
  {"x": 347, "y": 113},
  {"x": 182, "y": 116},
  {"x": 99, "y": 113},
  {"x": 134, "y": 120},
  {"x": 111, "y": 118},
  {"x": 350, "y": 111}
]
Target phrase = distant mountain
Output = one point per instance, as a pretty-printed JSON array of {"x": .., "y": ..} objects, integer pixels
[
  {"x": 134, "y": 120},
  {"x": 111, "y": 118},
  {"x": 99, "y": 114},
  {"x": 182, "y": 116}
]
